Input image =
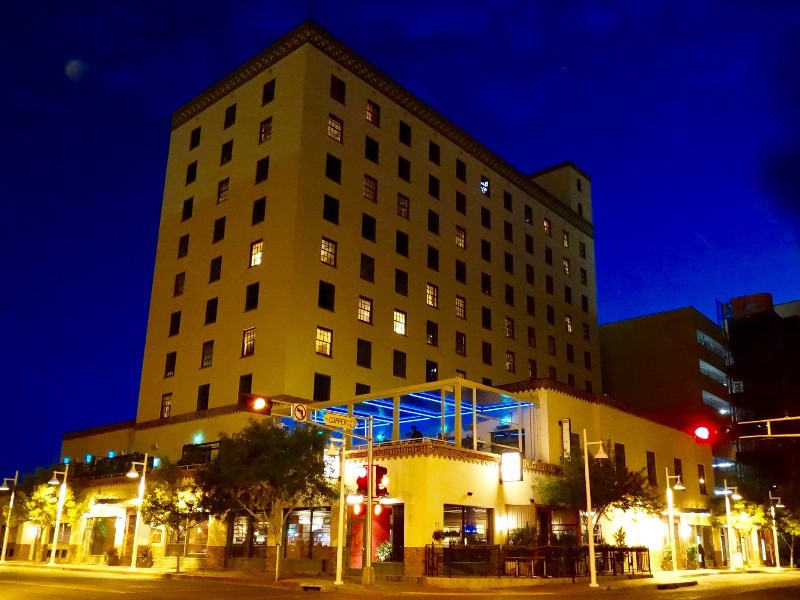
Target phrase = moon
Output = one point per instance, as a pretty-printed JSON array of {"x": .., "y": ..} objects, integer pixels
[{"x": 75, "y": 70}]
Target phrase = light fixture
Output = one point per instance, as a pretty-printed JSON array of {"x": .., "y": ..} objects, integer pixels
[
  {"x": 133, "y": 473},
  {"x": 736, "y": 495},
  {"x": 332, "y": 450},
  {"x": 780, "y": 505},
  {"x": 601, "y": 454},
  {"x": 54, "y": 480},
  {"x": 4, "y": 487},
  {"x": 678, "y": 485}
]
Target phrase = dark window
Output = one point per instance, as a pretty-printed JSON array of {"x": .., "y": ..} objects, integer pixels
[
  {"x": 548, "y": 284},
  {"x": 461, "y": 203},
  {"x": 461, "y": 343},
  {"x": 433, "y": 258},
  {"x": 431, "y": 371},
  {"x": 399, "y": 363},
  {"x": 194, "y": 138},
  {"x": 678, "y": 466},
  {"x": 368, "y": 227},
  {"x": 701, "y": 478},
  {"x": 509, "y": 294},
  {"x": 401, "y": 282},
  {"x": 326, "y": 295},
  {"x": 211, "y": 310},
  {"x": 588, "y": 386},
  {"x": 584, "y": 276},
  {"x": 259, "y": 210},
  {"x": 551, "y": 315},
  {"x": 461, "y": 170},
  {"x": 330, "y": 209},
  {"x": 230, "y": 116},
  {"x": 551, "y": 373},
  {"x": 486, "y": 284},
  {"x": 405, "y": 133},
  {"x": 548, "y": 255},
  {"x": 619, "y": 457},
  {"x": 362, "y": 388},
  {"x": 202, "y": 396},
  {"x": 587, "y": 360},
  {"x": 433, "y": 152},
  {"x": 432, "y": 333},
  {"x": 486, "y": 353},
  {"x": 461, "y": 271},
  {"x": 175, "y": 323},
  {"x": 529, "y": 274},
  {"x": 191, "y": 172},
  {"x": 367, "y": 268},
  {"x": 180, "y": 284},
  {"x": 246, "y": 383},
  {"x": 551, "y": 346},
  {"x": 582, "y": 249},
  {"x": 433, "y": 186},
  {"x": 486, "y": 250},
  {"x": 508, "y": 202},
  {"x": 322, "y": 387},
  {"x": 226, "y": 154},
  {"x": 338, "y": 89},
  {"x": 530, "y": 305},
  {"x": 486, "y": 217},
  {"x": 486, "y": 317},
  {"x": 528, "y": 214},
  {"x": 268, "y": 92},
  {"x": 578, "y": 184},
  {"x": 169, "y": 364},
  {"x": 188, "y": 205},
  {"x": 333, "y": 168},
  {"x": 528, "y": 243},
  {"x": 403, "y": 169},
  {"x": 570, "y": 353},
  {"x": 364, "y": 353},
  {"x": 371, "y": 149},
  {"x": 433, "y": 222},
  {"x": 652, "y": 474},
  {"x": 219, "y": 230},
  {"x": 508, "y": 231},
  {"x": 580, "y": 209},
  {"x": 584, "y": 303},
  {"x": 401, "y": 243},
  {"x": 262, "y": 169},
  {"x": 251, "y": 296},
  {"x": 508, "y": 262},
  {"x": 567, "y": 294},
  {"x": 532, "y": 337},
  {"x": 215, "y": 270}
]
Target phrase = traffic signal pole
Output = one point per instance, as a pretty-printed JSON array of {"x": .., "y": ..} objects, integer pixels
[{"x": 368, "y": 572}]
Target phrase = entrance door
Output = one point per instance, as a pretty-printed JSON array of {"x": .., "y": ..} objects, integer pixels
[{"x": 103, "y": 533}]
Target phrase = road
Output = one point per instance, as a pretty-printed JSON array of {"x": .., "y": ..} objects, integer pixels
[{"x": 43, "y": 584}]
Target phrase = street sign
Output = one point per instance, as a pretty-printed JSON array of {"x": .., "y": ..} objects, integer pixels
[
  {"x": 336, "y": 420},
  {"x": 300, "y": 412}
]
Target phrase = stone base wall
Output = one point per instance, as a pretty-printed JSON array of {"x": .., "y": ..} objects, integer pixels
[
  {"x": 414, "y": 561},
  {"x": 215, "y": 557}
]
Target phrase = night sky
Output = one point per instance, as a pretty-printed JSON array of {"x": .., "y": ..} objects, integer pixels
[{"x": 685, "y": 114}]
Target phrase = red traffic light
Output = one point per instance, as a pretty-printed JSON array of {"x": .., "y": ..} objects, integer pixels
[
  {"x": 255, "y": 404},
  {"x": 362, "y": 480},
  {"x": 702, "y": 433},
  {"x": 381, "y": 481}
]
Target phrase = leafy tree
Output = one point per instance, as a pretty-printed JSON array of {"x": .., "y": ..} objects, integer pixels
[
  {"x": 788, "y": 524},
  {"x": 267, "y": 471},
  {"x": 611, "y": 488},
  {"x": 173, "y": 500}
]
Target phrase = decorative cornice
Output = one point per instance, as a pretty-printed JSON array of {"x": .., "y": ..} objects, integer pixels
[
  {"x": 311, "y": 33},
  {"x": 541, "y": 468},
  {"x": 425, "y": 447},
  {"x": 73, "y": 435}
]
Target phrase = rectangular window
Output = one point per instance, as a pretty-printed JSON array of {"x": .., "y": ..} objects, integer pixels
[
  {"x": 432, "y": 295},
  {"x": 180, "y": 284},
  {"x": 486, "y": 189},
  {"x": 568, "y": 323},
  {"x": 619, "y": 457},
  {"x": 175, "y": 323},
  {"x": 511, "y": 362},
  {"x": 461, "y": 203},
  {"x": 461, "y": 374},
  {"x": 567, "y": 294},
  {"x": 507, "y": 201},
  {"x": 551, "y": 315},
  {"x": 191, "y": 173},
  {"x": 530, "y": 275},
  {"x": 486, "y": 317},
  {"x": 565, "y": 265},
  {"x": 678, "y": 466},
  {"x": 371, "y": 149},
  {"x": 208, "y": 354},
  {"x": 335, "y": 128},
  {"x": 373, "y": 113},
  {"x": 548, "y": 284},
  {"x": 432, "y": 333},
  {"x": 368, "y": 227},
  {"x": 433, "y": 186},
  {"x": 508, "y": 232},
  {"x": 219, "y": 230},
  {"x": 262, "y": 169},
  {"x": 256, "y": 252},
  {"x": 188, "y": 206},
  {"x": 364, "y": 309},
  {"x": 433, "y": 258},
  {"x": 530, "y": 305},
  {"x": 194, "y": 138},
  {"x": 370, "y": 188},
  {"x": 251, "y": 297},
  {"x": 226, "y": 153},
  {"x": 528, "y": 243},
  {"x": 211, "y": 310},
  {"x": 570, "y": 353},
  {"x": 486, "y": 353},
  {"x": 403, "y": 206},
  {"x": 581, "y": 249},
  {"x": 166, "y": 405},
  {"x": 528, "y": 214},
  {"x": 532, "y": 337},
  {"x": 364, "y": 353},
  {"x": 401, "y": 243},
  {"x": 399, "y": 363},
  {"x": 326, "y": 295},
  {"x": 486, "y": 217},
  {"x": 265, "y": 130},
  {"x": 230, "y": 116},
  {"x": 330, "y": 209},
  {"x": 401, "y": 282},
  {"x": 400, "y": 321},
  {"x": 508, "y": 262},
  {"x": 652, "y": 475},
  {"x": 338, "y": 89},
  {"x": 551, "y": 345},
  {"x": 584, "y": 276},
  {"x": 510, "y": 328},
  {"x": 183, "y": 246},
  {"x": 259, "y": 211},
  {"x": 461, "y": 343},
  {"x": 587, "y": 360},
  {"x": 552, "y": 374},
  {"x": 461, "y": 271},
  {"x": 461, "y": 170},
  {"x": 169, "y": 364},
  {"x": 461, "y": 307},
  {"x": 324, "y": 344},
  {"x": 362, "y": 388},
  {"x": 701, "y": 478},
  {"x": 333, "y": 168},
  {"x": 486, "y": 250},
  {"x": 215, "y": 270},
  {"x": 433, "y": 222},
  {"x": 585, "y": 327},
  {"x": 246, "y": 383},
  {"x": 533, "y": 370},
  {"x": 367, "y": 268},
  {"x": 509, "y": 294},
  {"x": 461, "y": 237},
  {"x": 322, "y": 388},
  {"x": 405, "y": 133},
  {"x": 548, "y": 255},
  {"x": 328, "y": 252},
  {"x": 565, "y": 238},
  {"x": 548, "y": 227},
  {"x": 203, "y": 392},
  {"x": 268, "y": 92},
  {"x": 404, "y": 169},
  {"x": 431, "y": 371},
  {"x": 249, "y": 341},
  {"x": 223, "y": 187},
  {"x": 434, "y": 152},
  {"x": 486, "y": 284},
  {"x": 584, "y": 303}
]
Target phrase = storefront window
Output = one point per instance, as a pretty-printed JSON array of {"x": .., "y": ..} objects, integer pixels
[
  {"x": 248, "y": 538},
  {"x": 306, "y": 529},
  {"x": 468, "y": 524},
  {"x": 196, "y": 544}
]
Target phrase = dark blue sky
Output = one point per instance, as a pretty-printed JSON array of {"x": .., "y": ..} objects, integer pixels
[{"x": 685, "y": 115}]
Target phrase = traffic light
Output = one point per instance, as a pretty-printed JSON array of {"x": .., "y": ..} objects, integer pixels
[
  {"x": 702, "y": 434},
  {"x": 255, "y": 404},
  {"x": 362, "y": 481},
  {"x": 381, "y": 481}
]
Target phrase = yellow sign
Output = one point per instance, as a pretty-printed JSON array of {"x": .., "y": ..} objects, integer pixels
[
  {"x": 336, "y": 420},
  {"x": 299, "y": 412}
]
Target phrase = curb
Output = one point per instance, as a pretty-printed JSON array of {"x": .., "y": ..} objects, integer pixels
[{"x": 675, "y": 585}]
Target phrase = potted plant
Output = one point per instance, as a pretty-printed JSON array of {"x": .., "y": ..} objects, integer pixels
[
  {"x": 438, "y": 536},
  {"x": 112, "y": 557}
]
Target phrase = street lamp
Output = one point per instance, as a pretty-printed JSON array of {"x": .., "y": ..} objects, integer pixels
[
  {"x": 5, "y": 488},
  {"x": 671, "y": 506},
  {"x": 62, "y": 494},
  {"x": 334, "y": 451},
  {"x": 133, "y": 474},
  {"x": 600, "y": 455},
  {"x": 772, "y": 508},
  {"x": 730, "y": 492}
]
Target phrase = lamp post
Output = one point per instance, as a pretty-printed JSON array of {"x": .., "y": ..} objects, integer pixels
[
  {"x": 133, "y": 474},
  {"x": 772, "y": 507},
  {"x": 730, "y": 492},
  {"x": 62, "y": 494},
  {"x": 333, "y": 451},
  {"x": 671, "y": 506},
  {"x": 5, "y": 488},
  {"x": 600, "y": 455},
  {"x": 368, "y": 574}
]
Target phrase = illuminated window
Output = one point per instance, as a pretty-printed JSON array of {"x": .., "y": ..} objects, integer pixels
[
  {"x": 509, "y": 328},
  {"x": 461, "y": 343},
  {"x": 432, "y": 295},
  {"x": 461, "y": 237},
  {"x": 551, "y": 345},
  {"x": 461, "y": 307},
  {"x": 324, "y": 341},
  {"x": 208, "y": 354},
  {"x": 335, "y": 128},
  {"x": 400, "y": 322},
  {"x": 373, "y": 113},
  {"x": 566, "y": 239},
  {"x": 364, "y": 309},
  {"x": 222, "y": 190},
  {"x": 568, "y": 323},
  {"x": 511, "y": 362},
  {"x": 485, "y": 190},
  {"x": 548, "y": 227},
  {"x": 461, "y": 374},
  {"x": 256, "y": 250},
  {"x": 328, "y": 252},
  {"x": 265, "y": 130},
  {"x": 565, "y": 265},
  {"x": 370, "y": 188},
  {"x": 403, "y": 206},
  {"x": 166, "y": 405},
  {"x": 249, "y": 341}
]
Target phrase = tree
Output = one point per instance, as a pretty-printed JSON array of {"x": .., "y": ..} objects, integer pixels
[
  {"x": 611, "y": 488},
  {"x": 173, "y": 500},
  {"x": 267, "y": 471},
  {"x": 788, "y": 524}
]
